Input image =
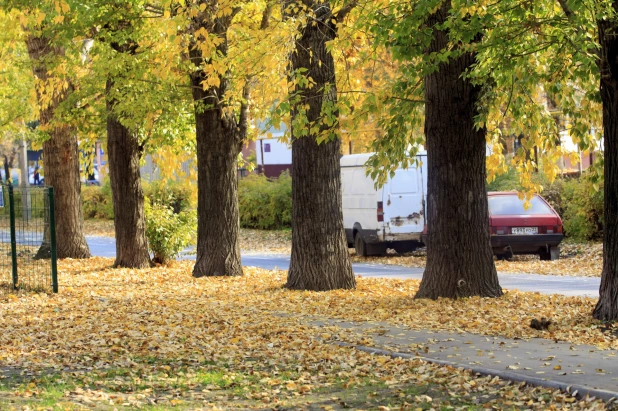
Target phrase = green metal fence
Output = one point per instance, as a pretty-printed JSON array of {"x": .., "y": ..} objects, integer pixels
[{"x": 27, "y": 240}]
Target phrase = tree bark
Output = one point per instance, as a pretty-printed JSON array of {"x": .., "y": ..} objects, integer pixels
[
  {"x": 124, "y": 152},
  {"x": 607, "y": 306},
  {"x": 459, "y": 255},
  {"x": 60, "y": 156},
  {"x": 219, "y": 137},
  {"x": 320, "y": 259}
]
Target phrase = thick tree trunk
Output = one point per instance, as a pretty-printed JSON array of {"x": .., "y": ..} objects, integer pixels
[
  {"x": 607, "y": 306},
  {"x": 320, "y": 259},
  {"x": 219, "y": 140},
  {"x": 124, "y": 151},
  {"x": 61, "y": 159},
  {"x": 459, "y": 256},
  {"x": 218, "y": 249}
]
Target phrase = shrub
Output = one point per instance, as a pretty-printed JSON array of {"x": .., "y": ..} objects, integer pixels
[
  {"x": 170, "y": 194},
  {"x": 265, "y": 203},
  {"x": 168, "y": 232},
  {"x": 97, "y": 201},
  {"x": 508, "y": 181},
  {"x": 583, "y": 209}
]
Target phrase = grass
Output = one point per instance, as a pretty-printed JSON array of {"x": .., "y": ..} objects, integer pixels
[{"x": 188, "y": 391}]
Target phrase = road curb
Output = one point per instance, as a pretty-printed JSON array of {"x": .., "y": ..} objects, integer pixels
[{"x": 578, "y": 391}]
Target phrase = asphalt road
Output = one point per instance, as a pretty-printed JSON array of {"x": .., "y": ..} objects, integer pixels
[{"x": 546, "y": 284}]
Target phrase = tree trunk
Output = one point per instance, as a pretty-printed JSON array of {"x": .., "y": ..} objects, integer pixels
[
  {"x": 459, "y": 255},
  {"x": 320, "y": 259},
  {"x": 218, "y": 249},
  {"x": 219, "y": 140},
  {"x": 607, "y": 306},
  {"x": 61, "y": 158},
  {"x": 124, "y": 151}
]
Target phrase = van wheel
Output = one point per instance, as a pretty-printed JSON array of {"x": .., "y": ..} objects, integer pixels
[{"x": 360, "y": 246}]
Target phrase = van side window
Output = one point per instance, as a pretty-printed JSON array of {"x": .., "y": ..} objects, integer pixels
[{"x": 404, "y": 182}]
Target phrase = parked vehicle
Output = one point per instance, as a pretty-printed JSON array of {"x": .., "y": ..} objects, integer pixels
[
  {"x": 392, "y": 216},
  {"x": 515, "y": 230},
  {"x": 87, "y": 178}
]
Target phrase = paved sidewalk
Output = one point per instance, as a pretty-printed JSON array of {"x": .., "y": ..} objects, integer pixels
[{"x": 569, "y": 367}]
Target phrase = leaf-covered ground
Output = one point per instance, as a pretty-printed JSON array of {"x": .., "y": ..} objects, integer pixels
[
  {"x": 585, "y": 259},
  {"x": 577, "y": 259},
  {"x": 159, "y": 339},
  {"x": 253, "y": 241},
  {"x": 99, "y": 228}
]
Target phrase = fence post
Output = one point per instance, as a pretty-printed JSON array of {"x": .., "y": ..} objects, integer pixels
[
  {"x": 13, "y": 239},
  {"x": 52, "y": 239}
]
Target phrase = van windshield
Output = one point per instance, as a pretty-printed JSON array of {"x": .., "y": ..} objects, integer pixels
[{"x": 512, "y": 205}]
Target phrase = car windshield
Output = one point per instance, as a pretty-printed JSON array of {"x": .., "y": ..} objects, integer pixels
[{"x": 512, "y": 205}]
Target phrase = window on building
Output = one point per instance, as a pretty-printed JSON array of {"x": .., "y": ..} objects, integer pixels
[{"x": 267, "y": 148}]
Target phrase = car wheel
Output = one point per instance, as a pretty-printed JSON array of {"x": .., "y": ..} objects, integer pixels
[
  {"x": 552, "y": 255},
  {"x": 360, "y": 246}
]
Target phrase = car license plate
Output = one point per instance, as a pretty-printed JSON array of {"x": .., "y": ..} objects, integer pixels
[{"x": 525, "y": 230}]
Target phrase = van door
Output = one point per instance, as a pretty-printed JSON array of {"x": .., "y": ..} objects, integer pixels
[{"x": 404, "y": 208}]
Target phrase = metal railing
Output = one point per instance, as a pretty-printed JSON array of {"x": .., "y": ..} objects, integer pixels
[{"x": 28, "y": 259}]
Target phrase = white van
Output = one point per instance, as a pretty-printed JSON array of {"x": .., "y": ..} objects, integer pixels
[{"x": 392, "y": 216}]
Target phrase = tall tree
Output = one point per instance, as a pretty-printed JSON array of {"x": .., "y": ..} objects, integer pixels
[
  {"x": 124, "y": 147},
  {"x": 220, "y": 134},
  {"x": 459, "y": 256},
  {"x": 320, "y": 259},
  {"x": 607, "y": 306},
  {"x": 128, "y": 78},
  {"x": 60, "y": 150},
  {"x": 600, "y": 60},
  {"x": 124, "y": 150}
]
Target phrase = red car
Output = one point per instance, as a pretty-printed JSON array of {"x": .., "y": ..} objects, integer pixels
[{"x": 515, "y": 230}]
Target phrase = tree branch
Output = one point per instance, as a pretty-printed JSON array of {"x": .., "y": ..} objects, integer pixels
[
  {"x": 345, "y": 10},
  {"x": 243, "y": 122},
  {"x": 565, "y": 7}
]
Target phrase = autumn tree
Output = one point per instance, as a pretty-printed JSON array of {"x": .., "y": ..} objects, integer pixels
[
  {"x": 60, "y": 150},
  {"x": 320, "y": 259},
  {"x": 124, "y": 147},
  {"x": 227, "y": 65},
  {"x": 442, "y": 50},
  {"x": 599, "y": 21},
  {"x": 130, "y": 86},
  {"x": 607, "y": 307}
]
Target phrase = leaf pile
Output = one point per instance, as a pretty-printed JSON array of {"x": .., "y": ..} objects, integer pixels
[{"x": 157, "y": 336}]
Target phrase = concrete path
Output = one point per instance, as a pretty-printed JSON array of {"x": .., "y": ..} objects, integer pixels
[
  {"x": 546, "y": 284},
  {"x": 559, "y": 365}
]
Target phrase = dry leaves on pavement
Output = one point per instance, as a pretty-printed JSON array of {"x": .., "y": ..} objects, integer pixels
[{"x": 123, "y": 339}]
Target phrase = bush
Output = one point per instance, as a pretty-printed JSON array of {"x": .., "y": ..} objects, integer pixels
[
  {"x": 170, "y": 194},
  {"x": 97, "y": 201},
  {"x": 168, "y": 232},
  {"x": 508, "y": 181},
  {"x": 583, "y": 209},
  {"x": 265, "y": 203}
]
